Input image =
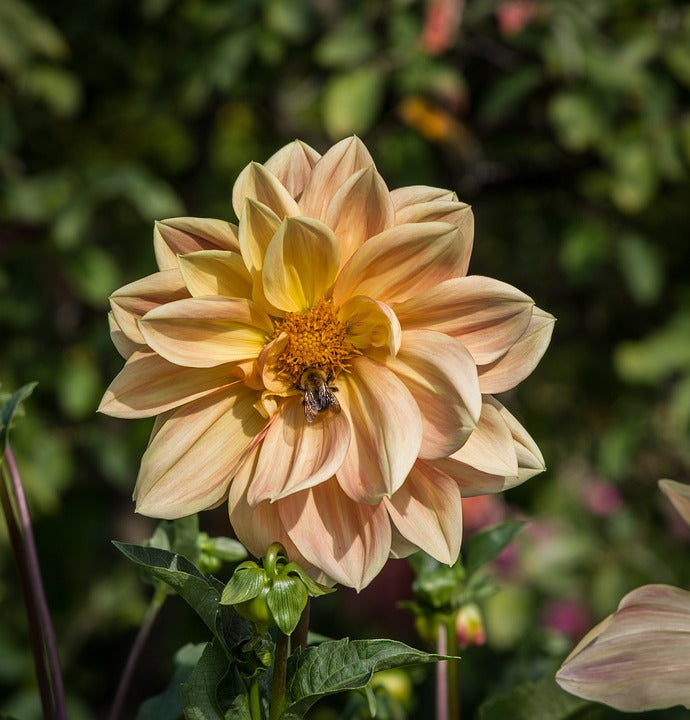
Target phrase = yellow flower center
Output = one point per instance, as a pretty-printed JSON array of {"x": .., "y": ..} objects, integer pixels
[{"x": 316, "y": 338}]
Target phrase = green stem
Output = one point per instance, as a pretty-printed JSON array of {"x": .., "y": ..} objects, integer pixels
[
  {"x": 279, "y": 676},
  {"x": 300, "y": 636},
  {"x": 45, "y": 653},
  {"x": 453, "y": 671},
  {"x": 254, "y": 699},
  {"x": 142, "y": 636}
]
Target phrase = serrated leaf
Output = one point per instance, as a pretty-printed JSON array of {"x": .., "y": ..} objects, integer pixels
[
  {"x": 488, "y": 544},
  {"x": 339, "y": 665},
  {"x": 542, "y": 700},
  {"x": 286, "y": 600},
  {"x": 245, "y": 584},
  {"x": 9, "y": 409},
  {"x": 168, "y": 705},
  {"x": 180, "y": 574}
]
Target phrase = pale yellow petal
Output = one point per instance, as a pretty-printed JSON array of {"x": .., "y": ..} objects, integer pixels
[
  {"x": 292, "y": 165},
  {"x": 121, "y": 342},
  {"x": 427, "y": 511},
  {"x": 179, "y": 236},
  {"x": 529, "y": 457},
  {"x": 349, "y": 541},
  {"x": 360, "y": 209},
  {"x": 415, "y": 194},
  {"x": 638, "y": 658},
  {"x": 215, "y": 272},
  {"x": 192, "y": 456},
  {"x": 330, "y": 173},
  {"x": 258, "y": 225},
  {"x": 300, "y": 265},
  {"x": 296, "y": 455},
  {"x": 401, "y": 262},
  {"x": 131, "y": 302},
  {"x": 521, "y": 358},
  {"x": 679, "y": 495},
  {"x": 442, "y": 377},
  {"x": 207, "y": 331},
  {"x": 487, "y": 316},
  {"x": 255, "y": 182},
  {"x": 148, "y": 385},
  {"x": 371, "y": 323},
  {"x": 386, "y": 431}
]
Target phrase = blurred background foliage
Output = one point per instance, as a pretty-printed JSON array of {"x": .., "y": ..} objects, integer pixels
[{"x": 565, "y": 123}]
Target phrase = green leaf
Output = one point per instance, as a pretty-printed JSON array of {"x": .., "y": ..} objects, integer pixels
[
  {"x": 287, "y": 599},
  {"x": 488, "y": 544},
  {"x": 542, "y": 700},
  {"x": 168, "y": 705},
  {"x": 313, "y": 588},
  {"x": 641, "y": 268},
  {"x": 351, "y": 102},
  {"x": 8, "y": 410},
  {"x": 339, "y": 665},
  {"x": 225, "y": 548},
  {"x": 181, "y": 575},
  {"x": 246, "y": 583}
]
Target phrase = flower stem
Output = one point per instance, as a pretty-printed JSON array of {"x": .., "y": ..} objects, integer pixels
[
  {"x": 254, "y": 699},
  {"x": 300, "y": 636},
  {"x": 441, "y": 676},
  {"x": 279, "y": 676},
  {"x": 139, "y": 641},
  {"x": 45, "y": 653},
  {"x": 453, "y": 674}
]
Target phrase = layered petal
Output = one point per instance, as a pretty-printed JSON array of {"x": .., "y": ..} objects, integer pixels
[
  {"x": 133, "y": 301},
  {"x": 300, "y": 265},
  {"x": 296, "y": 455},
  {"x": 442, "y": 377},
  {"x": 521, "y": 358},
  {"x": 121, "y": 342},
  {"x": 207, "y": 331},
  {"x": 638, "y": 658},
  {"x": 215, "y": 272},
  {"x": 330, "y": 173},
  {"x": 427, "y": 511},
  {"x": 487, "y": 316},
  {"x": 292, "y": 165},
  {"x": 386, "y": 431},
  {"x": 349, "y": 541},
  {"x": 416, "y": 194},
  {"x": 360, "y": 209},
  {"x": 194, "y": 452},
  {"x": 371, "y": 323},
  {"x": 679, "y": 495},
  {"x": 148, "y": 385},
  {"x": 401, "y": 262},
  {"x": 255, "y": 182},
  {"x": 179, "y": 236}
]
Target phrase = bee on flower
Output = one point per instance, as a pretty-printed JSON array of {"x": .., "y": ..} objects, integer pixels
[{"x": 326, "y": 366}]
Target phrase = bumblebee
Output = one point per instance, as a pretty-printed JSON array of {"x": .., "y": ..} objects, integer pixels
[{"x": 318, "y": 394}]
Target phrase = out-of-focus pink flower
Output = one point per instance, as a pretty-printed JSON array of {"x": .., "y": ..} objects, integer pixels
[
  {"x": 441, "y": 25},
  {"x": 469, "y": 626},
  {"x": 480, "y": 511},
  {"x": 514, "y": 15},
  {"x": 569, "y": 617},
  {"x": 327, "y": 366},
  {"x": 602, "y": 498}
]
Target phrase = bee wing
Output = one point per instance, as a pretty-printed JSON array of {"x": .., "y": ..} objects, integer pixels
[
  {"x": 311, "y": 405},
  {"x": 335, "y": 405}
]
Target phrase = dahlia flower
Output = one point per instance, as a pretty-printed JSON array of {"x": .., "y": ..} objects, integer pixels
[{"x": 326, "y": 366}]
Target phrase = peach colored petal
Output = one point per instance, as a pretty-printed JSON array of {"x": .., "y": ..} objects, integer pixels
[
  {"x": 121, "y": 342},
  {"x": 450, "y": 211},
  {"x": 148, "y": 385},
  {"x": 296, "y": 455},
  {"x": 427, "y": 510},
  {"x": 386, "y": 431},
  {"x": 215, "y": 272},
  {"x": 258, "y": 224},
  {"x": 349, "y": 541},
  {"x": 487, "y": 316},
  {"x": 442, "y": 377},
  {"x": 679, "y": 495},
  {"x": 207, "y": 331},
  {"x": 292, "y": 165},
  {"x": 300, "y": 265},
  {"x": 512, "y": 368},
  {"x": 179, "y": 236},
  {"x": 255, "y": 182},
  {"x": 371, "y": 323},
  {"x": 192, "y": 456},
  {"x": 360, "y": 209},
  {"x": 260, "y": 526},
  {"x": 133, "y": 301},
  {"x": 271, "y": 376},
  {"x": 330, "y": 172},
  {"x": 415, "y": 194},
  {"x": 401, "y": 547},
  {"x": 529, "y": 457},
  {"x": 401, "y": 262}
]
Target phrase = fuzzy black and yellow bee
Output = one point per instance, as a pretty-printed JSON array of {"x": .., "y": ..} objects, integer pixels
[{"x": 318, "y": 394}]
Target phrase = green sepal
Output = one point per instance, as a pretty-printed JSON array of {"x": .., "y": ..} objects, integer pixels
[
  {"x": 313, "y": 588},
  {"x": 287, "y": 599},
  {"x": 246, "y": 583},
  {"x": 9, "y": 410},
  {"x": 487, "y": 544}
]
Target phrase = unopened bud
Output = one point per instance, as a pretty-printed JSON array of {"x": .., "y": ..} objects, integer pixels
[{"x": 469, "y": 626}]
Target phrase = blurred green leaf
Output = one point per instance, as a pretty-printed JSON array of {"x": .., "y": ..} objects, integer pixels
[
  {"x": 584, "y": 249},
  {"x": 59, "y": 89},
  {"x": 79, "y": 385},
  {"x": 93, "y": 274},
  {"x": 9, "y": 409},
  {"x": 352, "y": 101},
  {"x": 487, "y": 545},
  {"x": 349, "y": 45},
  {"x": 635, "y": 178},
  {"x": 505, "y": 95},
  {"x": 576, "y": 120},
  {"x": 641, "y": 267}
]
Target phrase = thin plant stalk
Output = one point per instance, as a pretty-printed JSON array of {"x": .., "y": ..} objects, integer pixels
[
  {"x": 300, "y": 637},
  {"x": 46, "y": 658},
  {"x": 453, "y": 671},
  {"x": 135, "y": 652},
  {"x": 279, "y": 675},
  {"x": 441, "y": 676},
  {"x": 254, "y": 699}
]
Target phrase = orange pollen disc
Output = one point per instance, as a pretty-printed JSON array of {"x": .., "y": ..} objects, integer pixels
[{"x": 316, "y": 338}]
